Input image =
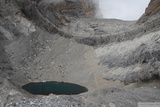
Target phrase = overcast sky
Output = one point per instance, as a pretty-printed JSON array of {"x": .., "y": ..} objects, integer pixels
[{"x": 123, "y": 9}]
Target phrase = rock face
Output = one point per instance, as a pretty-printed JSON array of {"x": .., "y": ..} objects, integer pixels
[
  {"x": 54, "y": 14},
  {"x": 61, "y": 40},
  {"x": 153, "y": 9}
]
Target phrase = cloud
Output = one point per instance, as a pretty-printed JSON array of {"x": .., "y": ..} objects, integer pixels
[{"x": 123, "y": 9}]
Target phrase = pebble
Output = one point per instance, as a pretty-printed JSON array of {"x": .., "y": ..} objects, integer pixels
[
  {"x": 111, "y": 105},
  {"x": 154, "y": 87},
  {"x": 40, "y": 68}
]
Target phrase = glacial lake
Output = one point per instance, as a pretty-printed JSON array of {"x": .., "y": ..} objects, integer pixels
[{"x": 58, "y": 88}]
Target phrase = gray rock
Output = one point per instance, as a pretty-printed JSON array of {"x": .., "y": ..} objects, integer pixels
[{"x": 61, "y": 40}]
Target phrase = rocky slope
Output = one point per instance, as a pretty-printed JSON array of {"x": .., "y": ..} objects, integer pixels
[
  {"x": 61, "y": 40},
  {"x": 153, "y": 9}
]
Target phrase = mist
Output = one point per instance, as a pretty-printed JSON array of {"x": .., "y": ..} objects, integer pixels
[{"x": 123, "y": 9}]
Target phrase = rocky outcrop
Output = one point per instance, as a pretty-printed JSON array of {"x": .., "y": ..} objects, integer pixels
[
  {"x": 151, "y": 10},
  {"x": 53, "y": 14}
]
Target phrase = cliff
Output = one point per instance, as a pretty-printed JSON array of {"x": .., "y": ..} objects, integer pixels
[{"x": 152, "y": 10}]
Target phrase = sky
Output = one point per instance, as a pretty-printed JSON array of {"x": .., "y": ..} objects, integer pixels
[{"x": 123, "y": 9}]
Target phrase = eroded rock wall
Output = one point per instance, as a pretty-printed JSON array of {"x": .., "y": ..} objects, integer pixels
[
  {"x": 53, "y": 14},
  {"x": 152, "y": 10}
]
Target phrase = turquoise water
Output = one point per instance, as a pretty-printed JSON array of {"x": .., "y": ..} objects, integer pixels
[{"x": 58, "y": 88}]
